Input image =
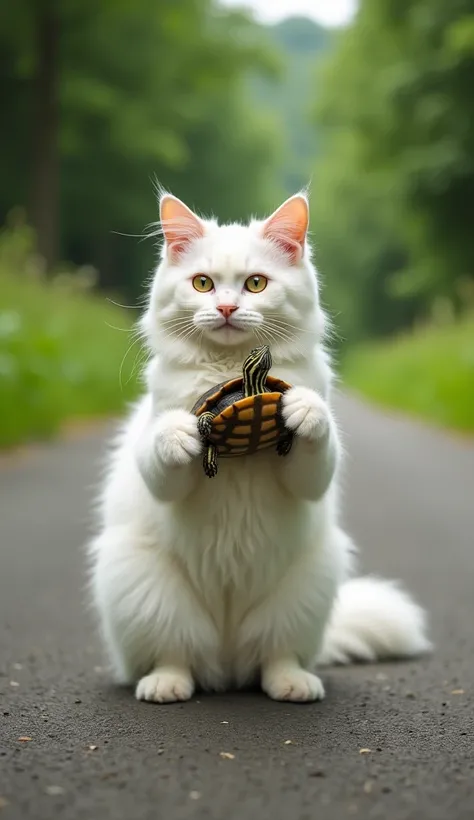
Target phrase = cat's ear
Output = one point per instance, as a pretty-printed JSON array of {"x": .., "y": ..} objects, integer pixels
[
  {"x": 179, "y": 224},
  {"x": 288, "y": 226}
]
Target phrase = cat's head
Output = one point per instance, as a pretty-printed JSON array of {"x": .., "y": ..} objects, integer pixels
[{"x": 234, "y": 286}]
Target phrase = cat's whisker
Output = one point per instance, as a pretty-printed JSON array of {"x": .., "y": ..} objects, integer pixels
[
  {"x": 126, "y": 307},
  {"x": 183, "y": 334},
  {"x": 267, "y": 336},
  {"x": 175, "y": 319},
  {"x": 130, "y": 347},
  {"x": 186, "y": 315},
  {"x": 284, "y": 335},
  {"x": 284, "y": 324},
  {"x": 187, "y": 337},
  {"x": 141, "y": 358},
  {"x": 258, "y": 335},
  {"x": 286, "y": 340},
  {"x": 189, "y": 323},
  {"x": 280, "y": 337},
  {"x": 285, "y": 332},
  {"x": 184, "y": 309},
  {"x": 121, "y": 329},
  {"x": 282, "y": 328},
  {"x": 181, "y": 331},
  {"x": 187, "y": 333},
  {"x": 177, "y": 323}
]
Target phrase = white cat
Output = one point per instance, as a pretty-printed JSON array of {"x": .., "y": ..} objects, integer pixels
[{"x": 243, "y": 577}]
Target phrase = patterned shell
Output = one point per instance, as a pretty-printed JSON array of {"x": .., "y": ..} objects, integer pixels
[{"x": 243, "y": 425}]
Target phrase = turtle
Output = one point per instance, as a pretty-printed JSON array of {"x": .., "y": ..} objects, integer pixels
[{"x": 241, "y": 416}]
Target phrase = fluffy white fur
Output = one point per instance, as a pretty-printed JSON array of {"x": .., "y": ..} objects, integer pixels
[{"x": 221, "y": 582}]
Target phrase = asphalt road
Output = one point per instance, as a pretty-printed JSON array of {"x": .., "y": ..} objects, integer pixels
[{"x": 90, "y": 751}]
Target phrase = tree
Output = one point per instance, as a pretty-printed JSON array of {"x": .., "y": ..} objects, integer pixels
[
  {"x": 398, "y": 168},
  {"x": 45, "y": 182}
]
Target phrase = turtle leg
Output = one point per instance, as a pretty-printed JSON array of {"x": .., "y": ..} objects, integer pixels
[
  {"x": 209, "y": 461},
  {"x": 205, "y": 424},
  {"x": 284, "y": 445}
]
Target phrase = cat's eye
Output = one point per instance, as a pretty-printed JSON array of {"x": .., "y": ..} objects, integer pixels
[
  {"x": 256, "y": 283},
  {"x": 202, "y": 283}
]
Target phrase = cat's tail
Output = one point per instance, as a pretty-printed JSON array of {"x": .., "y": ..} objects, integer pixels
[{"x": 373, "y": 620}]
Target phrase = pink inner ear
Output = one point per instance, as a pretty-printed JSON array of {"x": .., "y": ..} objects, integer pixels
[
  {"x": 180, "y": 225},
  {"x": 291, "y": 247},
  {"x": 288, "y": 227}
]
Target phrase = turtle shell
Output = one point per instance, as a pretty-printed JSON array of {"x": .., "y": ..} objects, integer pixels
[{"x": 244, "y": 424}]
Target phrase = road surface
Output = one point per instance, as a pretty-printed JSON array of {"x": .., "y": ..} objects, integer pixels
[{"x": 90, "y": 751}]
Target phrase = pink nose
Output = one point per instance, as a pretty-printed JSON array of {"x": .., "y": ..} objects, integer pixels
[{"x": 226, "y": 310}]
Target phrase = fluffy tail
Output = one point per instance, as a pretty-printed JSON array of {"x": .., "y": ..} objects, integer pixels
[{"x": 374, "y": 620}]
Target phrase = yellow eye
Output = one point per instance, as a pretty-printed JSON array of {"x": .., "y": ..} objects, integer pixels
[
  {"x": 202, "y": 283},
  {"x": 256, "y": 283}
]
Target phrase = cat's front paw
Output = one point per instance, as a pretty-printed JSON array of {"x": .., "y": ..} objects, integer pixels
[
  {"x": 293, "y": 685},
  {"x": 305, "y": 413},
  {"x": 177, "y": 439}
]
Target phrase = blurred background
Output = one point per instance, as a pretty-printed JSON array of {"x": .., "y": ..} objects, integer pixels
[{"x": 233, "y": 109}]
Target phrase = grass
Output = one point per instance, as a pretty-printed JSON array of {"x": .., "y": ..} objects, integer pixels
[
  {"x": 428, "y": 373},
  {"x": 60, "y": 354}
]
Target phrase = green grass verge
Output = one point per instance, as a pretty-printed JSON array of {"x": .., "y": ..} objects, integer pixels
[
  {"x": 429, "y": 373},
  {"x": 60, "y": 354}
]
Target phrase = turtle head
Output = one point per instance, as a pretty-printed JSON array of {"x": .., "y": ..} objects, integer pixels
[
  {"x": 260, "y": 357},
  {"x": 255, "y": 370}
]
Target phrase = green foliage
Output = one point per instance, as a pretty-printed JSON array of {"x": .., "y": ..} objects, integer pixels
[
  {"x": 149, "y": 89},
  {"x": 395, "y": 185},
  {"x": 428, "y": 373},
  {"x": 61, "y": 355}
]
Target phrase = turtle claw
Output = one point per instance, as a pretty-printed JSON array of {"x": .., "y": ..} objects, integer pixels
[
  {"x": 205, "y": 424},
  {"x": 210, "y": 470},
  {"x": 284, "y": 446},
  {"x": 209, "y": 461}
]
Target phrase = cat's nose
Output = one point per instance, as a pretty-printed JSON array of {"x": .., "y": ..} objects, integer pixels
[{"x": 226, "y": 310}]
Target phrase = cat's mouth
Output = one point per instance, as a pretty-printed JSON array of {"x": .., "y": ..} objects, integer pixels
[
  {"x": 228, "y": 323},
  {"x": 229, "y": 333},
  {"x": 228, "y": 329}
]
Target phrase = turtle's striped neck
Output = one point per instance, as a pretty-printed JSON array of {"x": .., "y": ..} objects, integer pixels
[{"x": 255, "y": 370}]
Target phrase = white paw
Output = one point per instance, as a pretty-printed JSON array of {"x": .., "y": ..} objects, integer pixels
[
  {"x": 295, "y": 685},
  {"x": 177, "y": 440},
  {"x": 305, "y": 413},
  {"x": 165, "y": 686}
]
